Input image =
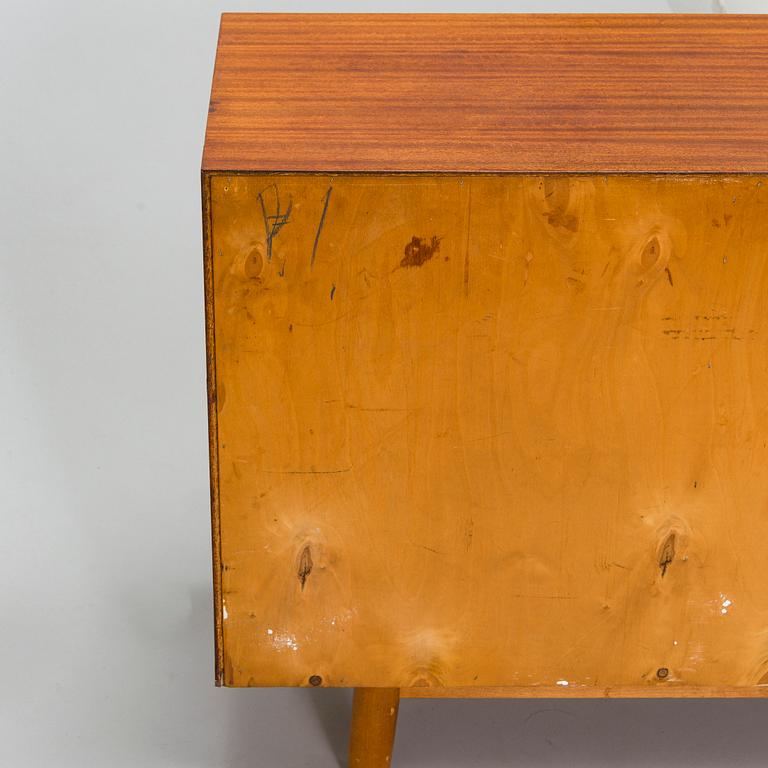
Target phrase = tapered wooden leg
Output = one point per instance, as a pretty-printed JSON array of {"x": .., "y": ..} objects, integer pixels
[{"x": 374, "y": 717}]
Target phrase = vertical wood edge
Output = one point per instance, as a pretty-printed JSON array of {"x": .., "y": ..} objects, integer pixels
[{"x": 213, "y": 427}]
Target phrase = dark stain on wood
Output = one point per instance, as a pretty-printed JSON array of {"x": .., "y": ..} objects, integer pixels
[
  {"x": 557, "y": 194},
  {"x": 669, "y": 276},
  {"x": 419, "y": 251},
  {"x": 667, "y": 554},
  {"x": 305, "y": 565},
  {"x": 562, "y": 219}
]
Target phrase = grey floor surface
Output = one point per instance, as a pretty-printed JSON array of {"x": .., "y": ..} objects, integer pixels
[{"x": 105, "y": 617}]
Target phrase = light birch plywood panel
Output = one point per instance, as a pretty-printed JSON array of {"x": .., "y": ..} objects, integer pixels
[{"x": 490, "y": 430}]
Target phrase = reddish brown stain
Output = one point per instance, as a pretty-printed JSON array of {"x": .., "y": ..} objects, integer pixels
[{"x": 418, "y": 251}]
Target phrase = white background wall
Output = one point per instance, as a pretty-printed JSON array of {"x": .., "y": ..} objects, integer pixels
[{"x": 106, "y": 652}]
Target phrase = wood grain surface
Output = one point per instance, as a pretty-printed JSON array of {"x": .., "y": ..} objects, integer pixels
[
  {"x": 482, "y": 431},
  {"x": 499, "y": 93}
]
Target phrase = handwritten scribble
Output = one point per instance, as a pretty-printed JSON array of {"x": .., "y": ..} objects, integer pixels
[
  {"x": 274, "y": 216},
  {"x": 320, "y": 225}
]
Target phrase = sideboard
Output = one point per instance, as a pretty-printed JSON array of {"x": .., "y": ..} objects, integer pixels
[{"x": 487, "y": 325}]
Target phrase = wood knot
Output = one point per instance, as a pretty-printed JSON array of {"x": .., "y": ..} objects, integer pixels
[
  {"x": 667, "y": 554},
  {"x": 651, "y": 252},
  {"x": 254, "y": 264},
  {"x": 305, "y": 566}
]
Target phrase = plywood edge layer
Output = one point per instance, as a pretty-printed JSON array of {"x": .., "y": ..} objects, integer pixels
[
  {"x": 533, "y": 171},
  {"x": 213, "y": 449},
  {"x": 660, "y": 691}
]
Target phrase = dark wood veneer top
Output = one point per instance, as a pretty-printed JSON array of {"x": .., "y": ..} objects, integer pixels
[{"x": 489, "y": 93}]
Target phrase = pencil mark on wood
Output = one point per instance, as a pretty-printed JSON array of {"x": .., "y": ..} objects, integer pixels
[
  {"x": 419, "y": 251},
  {"x": 713, "y": 329},
  {"x": 273, "y": 216},
  {"x": 320, "y": 226},
  {"x": 305, "y": 566},
  {"x": 466, "y": 248},
  {"x": 306, "y": 471},
  {"x": 667, "y": 554}
]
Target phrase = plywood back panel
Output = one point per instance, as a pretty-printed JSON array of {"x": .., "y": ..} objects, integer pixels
[{"x": 491, "y": 430}]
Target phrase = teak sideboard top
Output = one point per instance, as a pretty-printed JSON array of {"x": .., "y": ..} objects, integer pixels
[
  {"x": 489, "y": 93},
  {"x": 487, "y": 317}
]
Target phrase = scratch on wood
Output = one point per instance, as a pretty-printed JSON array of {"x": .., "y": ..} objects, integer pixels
[
  {"x": 320, "y": 227},
  {"x": 305, "y": 566},
  {"x": 669, "y": 275}
]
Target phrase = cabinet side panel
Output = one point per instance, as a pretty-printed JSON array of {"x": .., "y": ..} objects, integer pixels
[{"x": 213, "y": 448}]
